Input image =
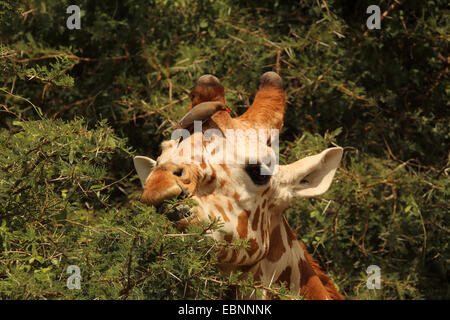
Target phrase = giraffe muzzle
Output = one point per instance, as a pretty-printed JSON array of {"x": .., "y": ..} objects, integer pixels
[{"x": 175, "y": 211}]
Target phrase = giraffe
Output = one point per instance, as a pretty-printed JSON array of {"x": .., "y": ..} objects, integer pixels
[{"x": 249, "y": 203}]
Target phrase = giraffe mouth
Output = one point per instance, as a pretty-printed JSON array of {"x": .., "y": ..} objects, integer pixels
[{"x": 176, "y": 209}]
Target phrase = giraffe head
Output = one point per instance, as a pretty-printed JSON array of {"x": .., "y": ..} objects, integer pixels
[{"x": 246, "y": 189}]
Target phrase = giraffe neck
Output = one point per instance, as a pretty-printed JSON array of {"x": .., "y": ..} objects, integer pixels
[{"x": 288, "y": 261}]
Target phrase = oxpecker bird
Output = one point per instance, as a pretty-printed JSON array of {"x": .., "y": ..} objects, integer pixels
[{"x": 201, "y": 112}]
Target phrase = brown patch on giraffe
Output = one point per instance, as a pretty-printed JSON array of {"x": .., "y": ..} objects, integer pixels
[
  {"x": 242, "y": 227},
  {"x": 236, "y": 196},
  {"x": 255, "y": 219},
  {"x": 212, "y": 177},
  {"x": 222, "y": 212},
  {"x": 234, "y": 256},
  {"x": 222, "y": 254},
  {"x": 314, "y": 284},
  {"x": 263, "y": 206},
  {"x": 230, "y": 206},
  {"x": 271, "y": 206},
  {"x": 222, "y": 183},
  {"x": 262, "y": 227},
  {"x": 265, "y": 191},
  {"x": 276, "y": 247},
  {"x": 285, "y": 276},
  {"x": 242, "y": 259},
  {"x": 228, "y": 237},
  {"x": 258, "y": 273},
  {"x": 225, "y": 168},
  {"x": 253, "y": 247},
  {"x": 203, "y": 165},
  {"x": 291, "y": 235},
  {"x": 260, "y": 255}
]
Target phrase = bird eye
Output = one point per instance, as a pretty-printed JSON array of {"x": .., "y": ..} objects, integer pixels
[
  {"x": 180, "y": 141},
  {"x": 257, "y": 174}
]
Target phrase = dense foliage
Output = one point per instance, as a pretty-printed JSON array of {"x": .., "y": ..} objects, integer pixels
[{"x": 76, "y": 105}]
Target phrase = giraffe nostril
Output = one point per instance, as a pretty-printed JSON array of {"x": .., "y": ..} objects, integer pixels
[{"x": 179, "y": 172}]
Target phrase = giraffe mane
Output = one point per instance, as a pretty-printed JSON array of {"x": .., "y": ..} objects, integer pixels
[{"x": 310, "y": 287}]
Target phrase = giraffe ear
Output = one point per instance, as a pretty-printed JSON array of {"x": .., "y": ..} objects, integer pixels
[
  {"x": 144, "y": 167},
  {"x": 312, "y": 176}
]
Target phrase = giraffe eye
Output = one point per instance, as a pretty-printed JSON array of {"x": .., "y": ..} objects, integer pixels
[{"x": 255, "y": 172}]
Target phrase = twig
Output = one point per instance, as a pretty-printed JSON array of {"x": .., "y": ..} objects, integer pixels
[
  {"x": 67, "y": 107},
  {"x": 10, "y": 112},
  {"x": 72, "y": 56},
  {"x": 351, "y": 94},
  {"x": 277, "y": 62},
  {"x": 109, "y": 185}
]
